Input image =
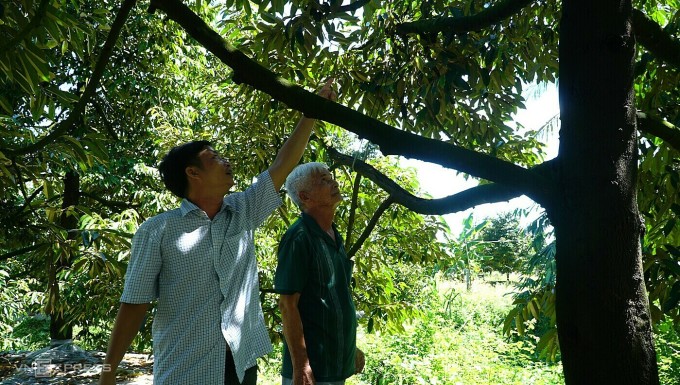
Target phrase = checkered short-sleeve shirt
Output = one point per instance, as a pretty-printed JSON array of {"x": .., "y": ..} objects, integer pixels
[{"x": 204, "y": 275}]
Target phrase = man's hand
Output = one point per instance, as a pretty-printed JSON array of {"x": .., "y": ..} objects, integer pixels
[
  {"x": 359, "y": 361},
  {"x": 303, "y": 376},
  {"x": 327, "y": 90},
  {"x": 291, "y": 152},
  {"x": 107, "y": 378}
]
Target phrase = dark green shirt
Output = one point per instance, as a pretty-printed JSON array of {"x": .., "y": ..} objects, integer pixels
[{"x": 312, "y": 264}]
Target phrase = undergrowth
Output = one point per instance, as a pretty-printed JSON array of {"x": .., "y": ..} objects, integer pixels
[{"x": 458, "y": 341}]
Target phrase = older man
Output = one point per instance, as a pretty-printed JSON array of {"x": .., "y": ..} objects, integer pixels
[
  {"x": 313, "y": 277},
  {"x": 198, "y": 262}
]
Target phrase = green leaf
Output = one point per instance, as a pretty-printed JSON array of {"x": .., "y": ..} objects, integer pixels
[
  {"x": 507, "y": 324},
  {"x": 673, "y": 298},
  {"x": 79, "y": 264},
  {"x": 547, "y": 339},
  {"x": 668, "y": 227},
  {"x": 268, "y": 17},
  {"x": 5, "y": 173},
  {"x": 4, "y": 103},
  {"x": 519, "y": 323},
  {"x": 29, "y": 72},
  {"x": 63, "y": 96},
  {"x": 48, "y": 189},
  {"x": 23, "y": 78},
  {"x": 533, "y": 308},
  {"x": 436, "y": 105},
  {"x": 78, "y": 151},
  {"x": 6, "y": 64},
  {"x": 37, "y": 61}
]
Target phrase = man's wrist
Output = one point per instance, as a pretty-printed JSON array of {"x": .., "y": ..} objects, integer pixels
[{"x": 301, "y": 364}]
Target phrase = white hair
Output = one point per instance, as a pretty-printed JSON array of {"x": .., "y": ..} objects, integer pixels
[{"x": 301, "y": 179}]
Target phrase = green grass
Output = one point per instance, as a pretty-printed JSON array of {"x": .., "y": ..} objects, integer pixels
[
  {"x": 667, "y": 343},
  {"x": 458, "y": 342}
]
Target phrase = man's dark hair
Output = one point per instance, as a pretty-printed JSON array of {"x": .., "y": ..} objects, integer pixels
[{"x": 176, "y": 161}]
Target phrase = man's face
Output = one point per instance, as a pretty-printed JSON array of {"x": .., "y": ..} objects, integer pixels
[
  {"x": 215, "y": 172},
  {"x": 324, "y": 191}
]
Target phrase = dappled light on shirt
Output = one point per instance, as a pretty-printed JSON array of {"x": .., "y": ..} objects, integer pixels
[{"x": 187, "y": 241}]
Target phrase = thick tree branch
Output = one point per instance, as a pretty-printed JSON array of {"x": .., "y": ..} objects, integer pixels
[
  {"x": 370, "y": 226},
  {"x": 659, "y": 128},
  {"x": 114, "y": 205},
  {"x": 647, "y": 32},
  {"x": 329, "y": 10},
  {"x": 351, "y": 7},
  {"x": 488, "y": 17},
  {"x": 65, "y": 126},
  {"x": 489, "y": 193},
  {"x": 657, "y": 41},
  {"x": 21, "y": 251},
  {"x": 389, "y": 139}
]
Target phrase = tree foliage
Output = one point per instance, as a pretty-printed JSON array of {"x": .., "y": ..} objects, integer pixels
[
  {"x": 505, "y": 244},
  {"x": 157, "y": 90},
  {"x": 93, "y": 93}
]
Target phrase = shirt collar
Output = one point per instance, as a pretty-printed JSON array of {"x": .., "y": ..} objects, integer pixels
[
  {"x": 187, "y": 206},
  {"x": 311, "y": 223}
]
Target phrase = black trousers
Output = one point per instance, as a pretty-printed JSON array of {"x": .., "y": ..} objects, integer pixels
[{"x": 230, "y": 377}]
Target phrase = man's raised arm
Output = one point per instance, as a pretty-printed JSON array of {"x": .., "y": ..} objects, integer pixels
[{"x": 291, "y": 152}]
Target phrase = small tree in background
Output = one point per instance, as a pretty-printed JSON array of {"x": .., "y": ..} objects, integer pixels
[{"x": 505, "y": 245}]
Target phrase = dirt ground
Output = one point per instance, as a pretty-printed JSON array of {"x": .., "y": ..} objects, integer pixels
[{"x": 71, "y": 367}]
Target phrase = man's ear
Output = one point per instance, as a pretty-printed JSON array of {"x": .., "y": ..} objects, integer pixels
[
  {"x": 304, "y": 196},
  {"x": 191, "y": 172}
]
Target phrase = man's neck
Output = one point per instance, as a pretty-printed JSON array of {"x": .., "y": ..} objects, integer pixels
[
  {"x": 323, "y": 217},
  {"x": 210, "y": 204}
]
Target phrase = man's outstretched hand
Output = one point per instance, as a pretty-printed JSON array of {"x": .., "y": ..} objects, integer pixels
[{"x": 327, "y": 90}]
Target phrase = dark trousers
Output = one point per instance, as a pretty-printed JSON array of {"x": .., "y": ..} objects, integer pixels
[{"x": 230, "y": 377}]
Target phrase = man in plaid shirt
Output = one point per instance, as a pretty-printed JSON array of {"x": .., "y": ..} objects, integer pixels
[{"x": 198, "y": 263}]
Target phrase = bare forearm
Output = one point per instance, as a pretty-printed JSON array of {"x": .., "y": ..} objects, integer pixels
[
  {"x": 293, "y": 333},
  {"x": 290, "y": 154},
  {"x": 128, "y": 322}
]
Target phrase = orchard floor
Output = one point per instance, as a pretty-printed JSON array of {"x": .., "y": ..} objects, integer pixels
[
  {"x": 80, "y": 368},
  {"x": 459, "y": 342}
]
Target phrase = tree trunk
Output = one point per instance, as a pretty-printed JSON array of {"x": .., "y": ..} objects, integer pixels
[
  {"x": 602, "y": 307},
  {"x": 468, "y": 280},
  {"x": 59, "y": 330}
]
